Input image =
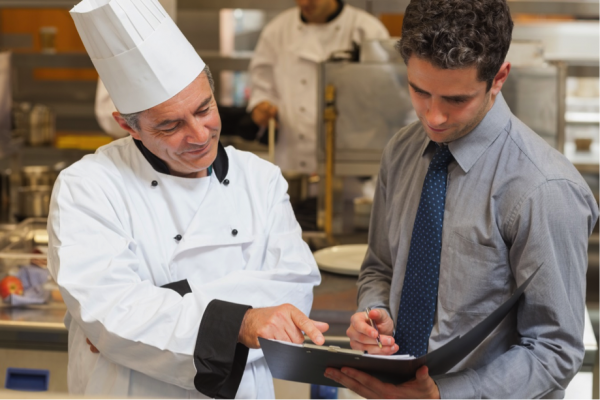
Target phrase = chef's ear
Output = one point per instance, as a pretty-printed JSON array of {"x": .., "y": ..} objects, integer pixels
[{"x": 123, "y": 124}]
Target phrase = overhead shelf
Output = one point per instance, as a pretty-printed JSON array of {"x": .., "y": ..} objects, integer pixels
[
  {"x": 38, "y": 3},
  {"x": 578, "y": 8},
  {"x": 248, "y": 4},
  {"x": 574, "y": 117},
  {"x": 237, "y": 61},
  {"x": 585, "y": 162},
  {"x": 8, "y": 147}
]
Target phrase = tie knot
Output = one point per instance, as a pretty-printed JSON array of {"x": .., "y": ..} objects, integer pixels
[{"x": 441, "y": 159}]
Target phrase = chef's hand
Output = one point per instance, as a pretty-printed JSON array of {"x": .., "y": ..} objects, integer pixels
[
  {"x": 263, "y": 112},
  {"x": 364, "y": 337},
  {"x": 422, "y": 387},
  {"x": 283, "y": 322},
  {"x": 93, "y": 348}
]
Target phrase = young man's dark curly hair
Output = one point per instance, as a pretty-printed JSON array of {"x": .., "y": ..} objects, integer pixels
[{"x": 453, "y": 34}]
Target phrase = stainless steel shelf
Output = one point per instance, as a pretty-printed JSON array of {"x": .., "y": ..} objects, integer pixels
[
  {"x": 12, "y": 147},
  {"x": 583, "y": 68},
  {"x": 236, "y": 62},
  {"x": 38, "y": 3},
  {"x": 587, "y": 168},
  {"x": 59, "y": 60},
  {"x": 573, "y": 117},
  {"x": 580, "y": 8},
  {"x": 248, "y": 4}
]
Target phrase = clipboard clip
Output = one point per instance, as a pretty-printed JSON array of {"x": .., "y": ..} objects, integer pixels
[{"x": 333, "y": 349}]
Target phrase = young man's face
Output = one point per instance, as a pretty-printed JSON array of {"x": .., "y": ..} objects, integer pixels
[
  {"x": 184, "y": 130},
  {"x": 450, "y": 102}
]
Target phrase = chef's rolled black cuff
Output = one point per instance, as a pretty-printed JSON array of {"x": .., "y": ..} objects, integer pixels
[{"x": 219, "y": 359}]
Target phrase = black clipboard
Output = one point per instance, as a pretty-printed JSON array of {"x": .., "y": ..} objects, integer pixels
[{"x": 307, "y": 363}]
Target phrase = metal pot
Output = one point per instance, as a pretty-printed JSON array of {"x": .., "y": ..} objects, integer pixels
[
  {"x": 37, "y": 175},
  {"x": 33, "y": 201},
  {"x": 41, "y": 126}
]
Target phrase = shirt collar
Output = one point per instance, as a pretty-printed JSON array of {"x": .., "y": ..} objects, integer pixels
[
  {"x": 468, "y": 149},
  {"x": 333, "y": 16},
  {"x": 220, "y": 166}
]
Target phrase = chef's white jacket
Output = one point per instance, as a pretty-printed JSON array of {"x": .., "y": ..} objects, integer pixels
[
  {"x": 284, "y": 72},
  {"x": 164, "y": 305}
]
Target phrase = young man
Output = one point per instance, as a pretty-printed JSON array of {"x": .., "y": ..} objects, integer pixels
[
  {"x": 284, "y": 71},
  {"x": 173, "y": 254},
  {"x": 469, "y": 203}
]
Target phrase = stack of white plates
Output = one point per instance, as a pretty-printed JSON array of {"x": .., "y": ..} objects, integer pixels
[{"x": 345, "y": 259}]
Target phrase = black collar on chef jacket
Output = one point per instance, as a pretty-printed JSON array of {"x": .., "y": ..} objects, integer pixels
[
  {"x": 332, "y": 16},
  {"x": 220, "y": 165}
]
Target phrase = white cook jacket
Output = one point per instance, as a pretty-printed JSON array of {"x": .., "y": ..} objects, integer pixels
[
  {"x": 284, "y": 72},
  {"x": 112, "y": 246}
]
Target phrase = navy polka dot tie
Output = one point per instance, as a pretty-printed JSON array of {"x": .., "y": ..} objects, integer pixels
[{"x": 420, "y": 289}]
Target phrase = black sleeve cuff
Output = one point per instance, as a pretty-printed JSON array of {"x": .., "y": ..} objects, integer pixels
[{"x": 219, "y": 359}]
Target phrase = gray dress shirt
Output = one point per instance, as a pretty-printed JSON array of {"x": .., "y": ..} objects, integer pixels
[{"x": 512, "y": 203}]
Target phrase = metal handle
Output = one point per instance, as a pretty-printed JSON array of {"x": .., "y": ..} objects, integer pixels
[{"x": 272, "y": 140}]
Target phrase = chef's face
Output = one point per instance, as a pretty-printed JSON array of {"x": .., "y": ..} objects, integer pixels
[
  {"x": 184, "y": 130},
  {"x": 450, "y": 103},
  {"x": 317, "y": 11}
]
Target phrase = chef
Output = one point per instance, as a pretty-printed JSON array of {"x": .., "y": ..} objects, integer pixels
[
  {"x": 284, "y": 71},
  {"x": 173, "y": 254}
]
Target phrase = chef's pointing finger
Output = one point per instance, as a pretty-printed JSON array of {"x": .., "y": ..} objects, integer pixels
[
  {"x": 322, "y": 326},
  {"x": 306, "y": 325}
]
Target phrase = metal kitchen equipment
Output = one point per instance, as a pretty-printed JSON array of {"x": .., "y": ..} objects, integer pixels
[
  {"x": 33, "y": 196},
  {"x": 38, "y": 175},
  {"x": 32, "y": 336},
  {"x": 33, "y": 202},
  {"x": 22, "y": 245},
  {"x": 373, "y": 103},
  {"x": 35, "y": 123},
  {"x": 41, "y": 126}
]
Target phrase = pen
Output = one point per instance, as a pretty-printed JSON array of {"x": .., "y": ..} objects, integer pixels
[{"x": 367, "y": 311}]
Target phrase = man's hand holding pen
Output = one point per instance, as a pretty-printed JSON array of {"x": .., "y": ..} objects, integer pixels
[{"x": 363, "y": 336}]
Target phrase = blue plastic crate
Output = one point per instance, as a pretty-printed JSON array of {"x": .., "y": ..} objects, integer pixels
[
  {"x": 25, "y": 379},
  {"x": 323, "y": 392}
]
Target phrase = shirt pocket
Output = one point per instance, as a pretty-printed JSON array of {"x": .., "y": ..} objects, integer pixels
[{"x": 474, "y": 279}]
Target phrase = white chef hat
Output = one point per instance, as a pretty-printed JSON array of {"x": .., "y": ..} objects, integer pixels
[{"x": 141, "y": 55}]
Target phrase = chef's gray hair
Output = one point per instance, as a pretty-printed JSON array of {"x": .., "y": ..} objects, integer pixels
[{"x": 133, "y": 119}]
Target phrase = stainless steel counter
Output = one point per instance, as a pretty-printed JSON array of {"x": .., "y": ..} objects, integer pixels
[
  {"x": 34, "y": 327},
  {"x": 41, "y": 327},
  {"x": 42, "y": 318}
]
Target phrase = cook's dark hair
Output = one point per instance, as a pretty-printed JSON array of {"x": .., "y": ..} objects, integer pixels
[{"x": 453, "y": 34}]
